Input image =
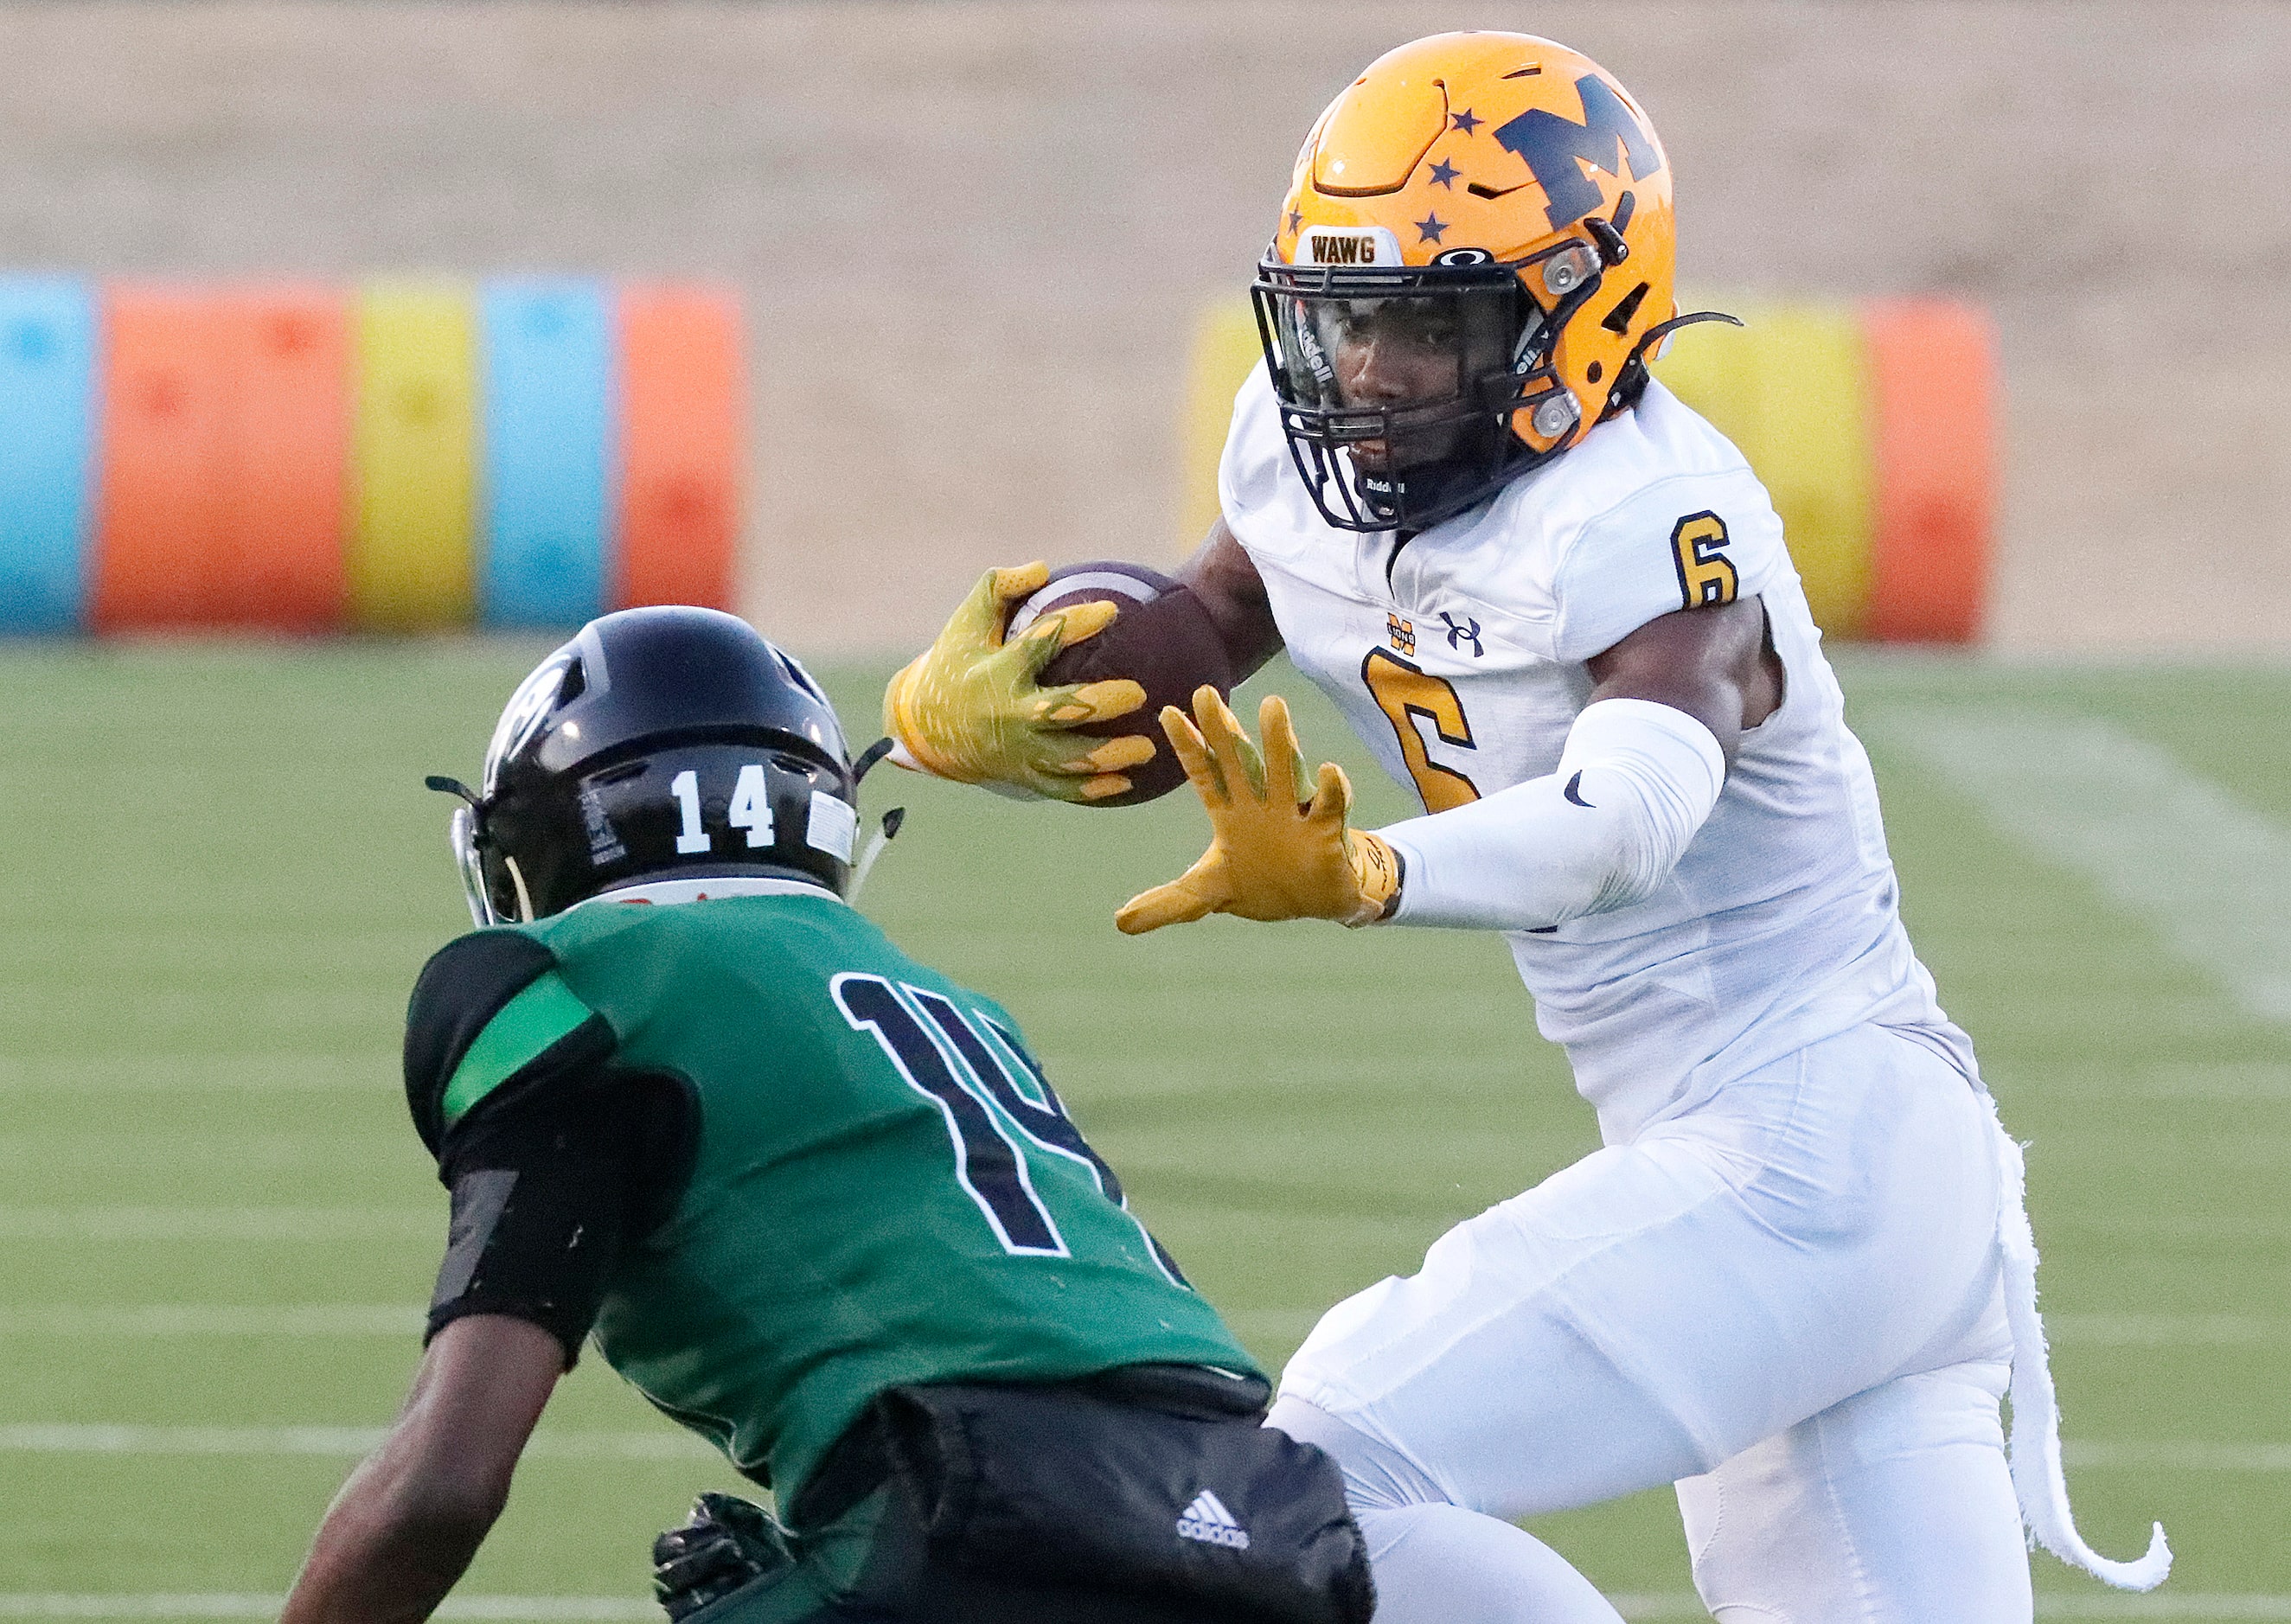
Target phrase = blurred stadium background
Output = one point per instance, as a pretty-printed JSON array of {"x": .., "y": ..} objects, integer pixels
[{"x": 972, "y": 241}]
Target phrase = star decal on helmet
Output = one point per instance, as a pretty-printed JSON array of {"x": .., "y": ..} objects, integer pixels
[
  {"x": 1295, "y": 220},
  {"x": 1429, "y": 228},
  {"x": 1445, "y": 174},
  {"x": 1465, "y": 122}
]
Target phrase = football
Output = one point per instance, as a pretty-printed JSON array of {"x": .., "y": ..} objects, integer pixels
[{"x": 1162, "y": 639}]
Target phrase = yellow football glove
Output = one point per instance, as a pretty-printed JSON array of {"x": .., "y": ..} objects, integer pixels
[
  {"x": 1269, "y": 857},
  {"x": 967, "y": 708}
]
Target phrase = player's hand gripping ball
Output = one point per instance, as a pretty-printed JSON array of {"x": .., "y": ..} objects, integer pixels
[
  {"x": 1161, "y": 639},
  {"x": 1041, "y": 684}
]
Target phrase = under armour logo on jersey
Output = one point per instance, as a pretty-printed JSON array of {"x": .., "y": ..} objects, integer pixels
[
  {"x": 1208, "y": 1520},
  {"x": 1403, "y": 633},
  {"x": 1457, "y": 636}
]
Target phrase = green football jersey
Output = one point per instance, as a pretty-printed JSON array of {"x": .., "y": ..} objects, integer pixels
[{"x": 883, "y": 1186}]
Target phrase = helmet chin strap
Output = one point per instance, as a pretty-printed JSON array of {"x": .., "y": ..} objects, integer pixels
[
  {"x": 523, "y": 896},
  {"x": 883, "y": 837}
]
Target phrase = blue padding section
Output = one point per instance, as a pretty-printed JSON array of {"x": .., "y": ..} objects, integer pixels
[
  {"x": 547, "y": 372},
  {"x": 48, "y": 344}
]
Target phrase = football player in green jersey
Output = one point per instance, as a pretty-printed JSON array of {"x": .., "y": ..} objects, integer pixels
[{"x": 814, "y": 1199}]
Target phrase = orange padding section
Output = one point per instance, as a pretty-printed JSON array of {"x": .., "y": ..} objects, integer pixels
[
  {"x": 1933, "y": 370},
  {"x": 226, "y": 429},
  {"x": 683, "y": 410}
]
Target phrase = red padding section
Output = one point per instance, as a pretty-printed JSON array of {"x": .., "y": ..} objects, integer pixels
[
  {"x": 1933, "y": 367},
  {"x": 223, "y": 492},
  {"x": 159, "y": 499},
  {"x": 287, "y": 475},
  {"x": 683, "y": 420}
]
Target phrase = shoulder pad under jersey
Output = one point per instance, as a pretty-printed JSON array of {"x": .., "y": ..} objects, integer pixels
[
  {"x": 489, "y": 1015},
  {"x": 1665, "y": 515}
]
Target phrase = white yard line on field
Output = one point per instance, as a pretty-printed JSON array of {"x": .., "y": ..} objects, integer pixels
[
  {"x": 2195, "y": 1604},
  {"x": 97, "y": 1438},
  {"x": 394, "y": 1320},
  {"x": 262, "y": 1071},
  {"x": 2209, "y": 874},
  {"x": 2232, "y": 1080},
  {"x": 540, "y": 1609},
  {"x": 2168, "y": 1330},
  {"x": 219, "y": 1223},
  {"x": 2178, "y": 1455},
  {"x": 2235, "y": 1081}
]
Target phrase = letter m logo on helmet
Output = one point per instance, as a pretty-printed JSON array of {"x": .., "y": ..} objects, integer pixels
[{"x": 1555, "y": 148}]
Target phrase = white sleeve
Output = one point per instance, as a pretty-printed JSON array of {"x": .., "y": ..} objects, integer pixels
[{"x": 1635, "y": 783}]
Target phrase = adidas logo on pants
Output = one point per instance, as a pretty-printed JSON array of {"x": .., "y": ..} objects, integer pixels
[{"x": 1208, "y": 1520}]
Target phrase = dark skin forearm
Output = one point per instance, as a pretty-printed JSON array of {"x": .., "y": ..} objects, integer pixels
[
  {"x": 407, "y": 1524},
  {"x": 1226, "y": 584}
]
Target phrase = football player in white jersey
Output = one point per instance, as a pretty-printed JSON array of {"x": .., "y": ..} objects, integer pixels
[{"x": 1797, "y": 1279}]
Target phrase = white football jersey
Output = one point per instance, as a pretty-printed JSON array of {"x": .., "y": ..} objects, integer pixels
[{"x": 1460, "y": 659}]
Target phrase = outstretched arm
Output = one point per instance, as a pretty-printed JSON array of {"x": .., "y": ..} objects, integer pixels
[
  {"x": 408, "y": 1523},
  {"x": 1642, "y": 770}
]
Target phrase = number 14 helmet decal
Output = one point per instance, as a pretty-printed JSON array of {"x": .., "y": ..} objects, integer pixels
[
  {"x": 1472, "y": 265},
  {"x": 659, "y": 741}
]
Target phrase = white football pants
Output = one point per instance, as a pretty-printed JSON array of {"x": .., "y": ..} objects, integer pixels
[{"x": 1787, "y": 1301}]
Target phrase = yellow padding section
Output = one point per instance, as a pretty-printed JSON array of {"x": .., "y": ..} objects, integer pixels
[
  {"x": 1224, "y": 348},
  {"x": 413, "y": 564},
  {"x": 1792, "y": 390}
]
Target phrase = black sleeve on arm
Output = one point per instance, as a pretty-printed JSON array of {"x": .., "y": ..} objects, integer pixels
[
  {"x": 554, "y": 1164},
  {"x": 544, "y": 1192}
]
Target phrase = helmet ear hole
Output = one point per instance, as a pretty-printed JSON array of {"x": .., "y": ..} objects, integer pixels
[
  {"x": 576, "y": 683},
  {"x": 1618, "y": 319}
]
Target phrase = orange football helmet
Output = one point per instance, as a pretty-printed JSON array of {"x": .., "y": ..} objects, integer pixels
[{"x": 1474, "y": 259}]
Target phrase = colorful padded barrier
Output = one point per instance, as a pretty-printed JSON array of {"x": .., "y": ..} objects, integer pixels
[
  {"x": 1225, "y": 348},
  {"x": 219, "y": 502},
  {"x": 1934, "y": 367},
  {"x": 684, "y": 418},
  {"x": 49, "y": 358},
  {"x": 1791, "y": 388},
  {"x": 413, "y": 564},
  {"x": 408, "y": 456},
  {"x": 1873, "y": 427},
  {"x": 548, "y": 351}
]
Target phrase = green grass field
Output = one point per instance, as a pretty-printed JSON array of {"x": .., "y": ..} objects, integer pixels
[{"x": 216, "y": 1226}]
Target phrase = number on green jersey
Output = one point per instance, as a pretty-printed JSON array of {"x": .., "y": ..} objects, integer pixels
[{"x": 989, "y": 1164}]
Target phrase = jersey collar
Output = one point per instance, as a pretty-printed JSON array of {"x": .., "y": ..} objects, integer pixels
[{"x": 708, "y": 889}]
